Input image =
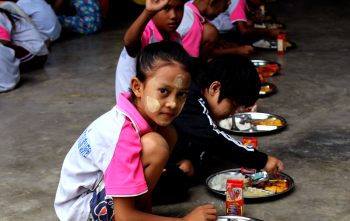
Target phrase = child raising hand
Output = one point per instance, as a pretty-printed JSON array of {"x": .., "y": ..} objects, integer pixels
[
  {"x": 158, "y": 21},
  {"x": 112, "y": 169}
]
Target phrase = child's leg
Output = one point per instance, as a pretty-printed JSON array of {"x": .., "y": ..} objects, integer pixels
[
  {"x": 154, "y": 155},
  {"x": 210, "y": 38},
  {"x": 28, "y": 61}
]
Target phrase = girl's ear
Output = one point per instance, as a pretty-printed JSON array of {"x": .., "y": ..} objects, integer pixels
[
  {"x": 215, "y": 88},
  {"x": 211, "y": 2},
  {"x": 136, "y": 86}
]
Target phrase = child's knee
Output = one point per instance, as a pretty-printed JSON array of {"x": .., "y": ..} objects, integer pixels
[
  {"x": 210, "y": 33},
  {"x": 155, "y": 148}
]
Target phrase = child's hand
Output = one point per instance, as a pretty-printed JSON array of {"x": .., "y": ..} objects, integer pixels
[
  {"x": 156, "y": 5},
  {"x": 202, "y": 213},
  {"x": 246, "y": 51},
  {"x": 186, "y": 166},
  {"x": 273, "y": 165},
  {"x": 275, "y": 31}
]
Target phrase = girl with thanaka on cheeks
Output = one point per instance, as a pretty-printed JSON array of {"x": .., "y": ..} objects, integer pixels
[
  {"x": 112, "y": 169},
  {"x": 158, "y": 21}
]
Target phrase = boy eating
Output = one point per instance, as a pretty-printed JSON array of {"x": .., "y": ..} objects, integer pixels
[{"x": 223, "y": 85}]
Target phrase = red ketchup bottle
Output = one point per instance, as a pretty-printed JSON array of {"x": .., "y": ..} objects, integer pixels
[{"x": 281, "y": 43}]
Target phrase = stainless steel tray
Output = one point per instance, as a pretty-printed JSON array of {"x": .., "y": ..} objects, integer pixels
[
  {"x": 264, "y": 93},
  {"x": 238, "y": 170},
  {"x": 263, "y": 63},
  {"x": 236, "y": 218},
  {"x": 270, "y": 24},
  {"x": 255, "y": 116},
  {"x": 273, "y": 45}
]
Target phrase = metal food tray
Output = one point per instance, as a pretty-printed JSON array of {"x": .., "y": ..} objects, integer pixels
[
  {"x": 266, "y": 23},
  {"x": 273, "y": 46},
  {"x": 262, "y": 63},
  {"x": 236, "y": 218},
  {"x": 238, "y": 170},
  {"x": 264, "y": 93},
  {"x": 255, "y": 116}
]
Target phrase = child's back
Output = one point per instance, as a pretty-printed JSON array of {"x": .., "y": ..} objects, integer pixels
[{"x": 43, "y": 16}]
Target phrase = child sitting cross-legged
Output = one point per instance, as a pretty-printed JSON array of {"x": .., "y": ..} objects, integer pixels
[
  {"x": 224, "y": 84},
  {"x": 112, "y": 169}
]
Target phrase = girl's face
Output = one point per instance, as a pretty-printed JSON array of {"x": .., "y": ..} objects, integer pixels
[
  {"x": 169, "y": 18},
  {"x": 162, "y": 96}
]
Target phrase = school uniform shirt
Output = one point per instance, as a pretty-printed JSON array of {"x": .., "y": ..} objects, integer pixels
[
  {"x": 126, "y": 68},
  {"x": 9, "y": 64},
  {"x": 43, "y": 16},
  {"x": 15, "y": 9},
  {"x": 109, "y": 149},
  {"x": 195, "y": 127},
  {"x": 226, "y": 21},
  {"x": 191, "y": 29},
  {"x": 25, "y": 35}
]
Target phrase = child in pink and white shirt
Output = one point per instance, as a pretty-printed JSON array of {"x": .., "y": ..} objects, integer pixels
[
  {"x": 9, "y": 64},
  {"x": 112, "y": 169},
  {"x": 201, "y": 38},
  {"x": 235, "y": 18},
  {"x": 158, "y": 21}
]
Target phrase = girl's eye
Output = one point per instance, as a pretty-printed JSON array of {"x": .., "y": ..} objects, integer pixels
[
  {"x": 163, "y": 91},
  {"x": 182, "y": 94},
  {"x": 166, "y": 8}
]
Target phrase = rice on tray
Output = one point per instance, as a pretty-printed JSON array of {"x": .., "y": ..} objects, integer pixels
[{"x": 218, "y": 182}]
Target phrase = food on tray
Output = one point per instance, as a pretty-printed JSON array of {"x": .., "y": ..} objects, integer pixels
[
  {"x": 270, "y": 122},
  {"x": 268, "y": 71},
  {"x": 275, "y": 25},
  {"x": 218, "y": 182},
  {"x": 245, "y": 126},
  {"x": 278, "y": 186},
  {"x": 288, "y": 44},
  {"x": 255, "y": 192},
  {"x": 226, "y": 124},
  {"x": 262, "y": 44},
  {"x": 266, "y": 89},
  {"x": 259, "y": 26}
]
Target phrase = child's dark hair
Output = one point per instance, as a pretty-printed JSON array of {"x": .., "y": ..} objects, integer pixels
[
  {"x": 11, "y": 17},
  {"x": 169, "y": 52},
  {"x": 238, "y": 77}
]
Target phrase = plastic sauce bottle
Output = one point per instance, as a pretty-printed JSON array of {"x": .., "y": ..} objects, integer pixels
[{"x": 281, "y": 43}]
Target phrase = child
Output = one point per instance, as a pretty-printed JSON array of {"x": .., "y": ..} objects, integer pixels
[
  {"x": 200, "y": 37},
  {"x": 158, "y": 21},
  {"x": 224, "y": 84},
  {"x": 9, "y": 72},
  {"x": 234, "y": 20},
  {"x": 81, "y": 16},
  {"x": 113, "y": 167},
  {"x": 27, "y": 42},
  {"x": 44, "y": 17}
]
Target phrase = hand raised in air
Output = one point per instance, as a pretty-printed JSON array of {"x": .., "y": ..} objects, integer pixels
[{"x": 156, "y": 5}]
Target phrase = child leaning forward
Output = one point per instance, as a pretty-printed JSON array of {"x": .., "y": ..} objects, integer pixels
[{"x": 112, "y": 169}]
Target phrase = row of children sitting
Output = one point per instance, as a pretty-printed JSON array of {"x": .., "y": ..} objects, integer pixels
[
  {"x": 28, "y": 27},
  {"x": 161, "y": 134}
]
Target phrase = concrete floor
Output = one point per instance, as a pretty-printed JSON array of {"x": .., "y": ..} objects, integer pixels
[{"x": 42, "y": 118}]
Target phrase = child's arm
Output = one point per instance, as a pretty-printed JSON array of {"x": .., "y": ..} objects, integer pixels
[
  {"x": 5, "y": 42},
  {"x": 57, "y": 6},
  {"x": 132, "y": 38},
  {"x": 244, "y": 29},
  {"x": 246, "y": 51},
  {"x": 124, "y": 210}
]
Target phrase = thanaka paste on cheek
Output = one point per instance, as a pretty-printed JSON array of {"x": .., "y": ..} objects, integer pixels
[
  {"x": 173, "y": 106},
  {"x": 178, "y": 81},
  {"x": 152, "y": 104}
]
